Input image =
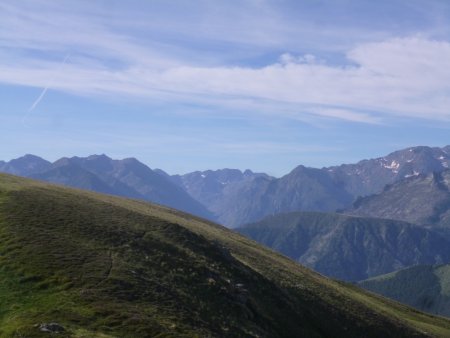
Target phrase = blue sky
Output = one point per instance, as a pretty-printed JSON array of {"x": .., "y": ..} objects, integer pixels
[{"x": 194, "y": 85}]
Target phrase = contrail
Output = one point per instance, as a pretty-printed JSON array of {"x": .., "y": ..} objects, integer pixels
[
  {"x": 44, "y": 91},
  {"x": 38, "y": 99}
]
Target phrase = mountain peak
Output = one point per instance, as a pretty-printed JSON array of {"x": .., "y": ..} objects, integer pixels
[
  {"x": 131, "y": 160},
  {"x": 26, "y": 165},
  {"x": 63, "y": 161},
  {"x": 31, "y": 157},
  {"x": 95, "y": 157}
]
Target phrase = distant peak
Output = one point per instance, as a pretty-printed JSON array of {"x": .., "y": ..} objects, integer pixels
[
  {"x": 131, "y": 160},
  {"x": 98, "y": 157},
  {"x": 30, "y": 157},
  {"x": 62, "y": 161}
]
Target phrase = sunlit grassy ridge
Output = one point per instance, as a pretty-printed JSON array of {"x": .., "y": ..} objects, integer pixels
[{"x": 104, "y": 266}]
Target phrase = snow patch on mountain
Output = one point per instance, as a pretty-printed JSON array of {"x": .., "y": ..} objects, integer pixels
[
  {"x": 415, "y": 173},
  {"x": 393, "y": 166}
]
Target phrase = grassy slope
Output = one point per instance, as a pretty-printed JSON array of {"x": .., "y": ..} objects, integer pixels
[
  {"x": 104, "y": 266},
  {"x": 425, "y": 287}
]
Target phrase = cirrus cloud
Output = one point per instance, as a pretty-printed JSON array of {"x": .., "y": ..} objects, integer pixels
[{"x": 396, "y": 77}]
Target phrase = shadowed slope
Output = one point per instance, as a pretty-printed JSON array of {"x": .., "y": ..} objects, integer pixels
[
  {"x": 347, "y": 247},
  {"x": 105, "y": 266},
  {"x": 425, "y": 287}
]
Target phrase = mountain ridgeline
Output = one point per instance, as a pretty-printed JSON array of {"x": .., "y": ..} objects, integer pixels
[
  {"x": 254, "y": 196},
  {"x": 102, "y": 266},
  {"x": 232, "y": 197},
  {"x": 129, "y": 178}
]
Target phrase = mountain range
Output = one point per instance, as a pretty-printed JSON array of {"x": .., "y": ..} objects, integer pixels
[
  {"x": 129, "y": 178},
  {"x": 81, "y": 264},
  {"x": 232, "y": 197},
  {"x": 255, "y": 196}
]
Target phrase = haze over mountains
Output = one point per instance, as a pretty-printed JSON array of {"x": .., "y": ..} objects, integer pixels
[{"x": 232, "y": 197}]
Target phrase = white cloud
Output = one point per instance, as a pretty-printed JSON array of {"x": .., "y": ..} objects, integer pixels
[
  {"x": 406, "y": 77},
  {"x": 288, "y": 58}
]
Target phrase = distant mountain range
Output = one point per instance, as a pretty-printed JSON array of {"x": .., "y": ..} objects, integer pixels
[
  {"x": 232, "y": 197},
  {"x": 236, "y": 198},
  {"x": 349, "y": 248},
  {"x": 424, "y": 287},
  {"x": 128, "y": 178}
]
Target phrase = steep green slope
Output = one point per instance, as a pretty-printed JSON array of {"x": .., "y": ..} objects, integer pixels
[
  {"x": 425, "y": 287},
  {"x": 349, "y": 248},
  {"x": 102, "y": 266}
]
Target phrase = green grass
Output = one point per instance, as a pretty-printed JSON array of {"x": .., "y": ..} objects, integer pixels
[{"x": 104, "y": 266}]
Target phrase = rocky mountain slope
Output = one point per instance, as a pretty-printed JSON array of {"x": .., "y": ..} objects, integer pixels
[
  {"x": 309, "y": 189},
  {"x": 349, "y": 248},
  {"x": 422, "y": 199},
  {"x": 424, "y": 287},
  {"x": 91, "y": 265},
  {"x": 224, "y": 191},
  {"x": 25, "y": 166},
  {"x": 371, "y": 176}
]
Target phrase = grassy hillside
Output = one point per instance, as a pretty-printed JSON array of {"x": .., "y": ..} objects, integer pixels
[
  {"x": 347, "y": 247},
  {"x": 425, "y": 287},
  {"x": 102, "y": 266}
]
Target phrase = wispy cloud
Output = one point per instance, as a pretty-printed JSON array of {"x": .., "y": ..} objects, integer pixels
[{"x": 406, "y": 77}]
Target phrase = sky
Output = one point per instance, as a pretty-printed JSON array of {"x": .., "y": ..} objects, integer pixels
[{"x": 209, "y": 84}]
